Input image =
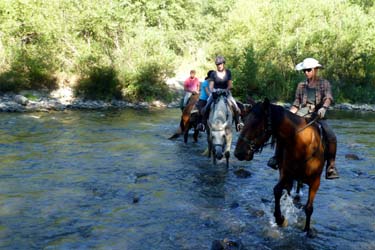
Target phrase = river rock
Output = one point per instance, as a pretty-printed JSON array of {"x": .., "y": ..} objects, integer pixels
[
  {"x": 352, "y": 157},
  {"x": 242, "y": 173},
  {"x": 234, "y": 205},
  {"x": 135, "y": 199},
  {"x": 20, "y": 99},
  {"x": 227, "y": 244},
  {"x": 63, "y": 98}
]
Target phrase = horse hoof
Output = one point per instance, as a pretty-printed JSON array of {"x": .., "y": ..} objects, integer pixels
[
  {"x": 285, "y": 223},
  {"x": 205, "y": 153},
  {"x": 311, "y": 233}
]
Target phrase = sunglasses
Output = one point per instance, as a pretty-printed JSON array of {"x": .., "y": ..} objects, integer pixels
[{"x": 307, "y": 70}]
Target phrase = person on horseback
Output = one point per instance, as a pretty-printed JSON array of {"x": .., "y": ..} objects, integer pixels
[
  {"x": 221, "y": 79},
  {"x": 191, "y": 86},
  {"x": 314, "y": 95},
  {"x": 204, "y": 93}
]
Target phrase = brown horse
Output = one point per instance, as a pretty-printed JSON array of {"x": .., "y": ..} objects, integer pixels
[
  {"x": 189, "y": 120},
  {"x": 302, "y": 155}
]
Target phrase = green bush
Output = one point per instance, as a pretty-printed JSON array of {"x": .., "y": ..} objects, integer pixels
[
  {"x": 28, "y": 71},
  {"x": 148, "y": 84},
  {"x": 100, "y": 83}
]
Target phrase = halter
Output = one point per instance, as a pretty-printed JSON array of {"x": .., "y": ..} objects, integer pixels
[{"x": 253, "y": 147}]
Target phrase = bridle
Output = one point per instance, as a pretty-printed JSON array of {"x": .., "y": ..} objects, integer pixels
[{"x": 255, "y": 146}]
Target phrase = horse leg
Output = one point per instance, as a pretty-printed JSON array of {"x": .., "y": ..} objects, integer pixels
[
  {"x": 278, "y": 191},
  {"x": 209, "y": 143},
  {"x": 314, "y": 186},
  {"x": 297, "y": 198},
  {"x": 227, "y": 155},
  {"x": 186, "y": 134},
  {"x": 195, "y": 136},
  {"x": 228, "y": 144}
]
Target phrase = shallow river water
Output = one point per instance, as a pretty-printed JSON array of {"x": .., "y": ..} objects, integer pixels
[{"x": 112, "y": 180}]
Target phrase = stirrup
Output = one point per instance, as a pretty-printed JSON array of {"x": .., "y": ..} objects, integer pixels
[
  {"x": 272, "y": 162},
  {"x": 239, "y": 126},
  {"x": 201, "y": 127}
]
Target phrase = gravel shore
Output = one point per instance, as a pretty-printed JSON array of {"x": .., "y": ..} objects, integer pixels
[{"x": 63, "y": 99}]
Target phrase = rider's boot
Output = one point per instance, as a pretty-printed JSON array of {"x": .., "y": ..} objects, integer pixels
[
  {"x": 273, "y": 162},
  {"x": 204, "y": 113},
  {"x": 331, "y": 171}
]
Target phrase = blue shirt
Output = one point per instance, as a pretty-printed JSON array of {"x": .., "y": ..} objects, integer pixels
[{"x": 203, "y": 95}]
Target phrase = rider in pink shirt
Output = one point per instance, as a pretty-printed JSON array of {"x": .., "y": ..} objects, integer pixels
[{"x": 191, "y": 85}]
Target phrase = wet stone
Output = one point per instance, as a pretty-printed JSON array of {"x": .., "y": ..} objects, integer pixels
[
  {"x": 135, "y": 199},
  {"x": 227, "y": 244},
  {"x": 242, "y": 173},
  {"x": 255, "y": 212},
  {"x": 234, "y": 205},
  {"x": 264, "y": 200},
  {"x": 352, "y": 157}
]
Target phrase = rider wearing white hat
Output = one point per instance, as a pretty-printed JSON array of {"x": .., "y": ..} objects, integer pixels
[
  {"x": 314, "y": 95},
  {"x": 308, "y": 63}
]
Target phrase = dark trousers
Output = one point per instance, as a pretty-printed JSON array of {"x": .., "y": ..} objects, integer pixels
[{"x": 200, "y": 105}]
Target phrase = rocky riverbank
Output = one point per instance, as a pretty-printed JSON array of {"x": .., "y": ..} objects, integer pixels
[
  {"x": 63, "y": 99},
  {"x": 21, "y": 103}
]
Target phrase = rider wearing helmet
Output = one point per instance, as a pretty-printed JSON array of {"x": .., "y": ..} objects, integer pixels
[{"x": 221, "y": 78}]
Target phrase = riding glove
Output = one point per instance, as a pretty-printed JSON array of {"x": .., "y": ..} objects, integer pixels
[{"x": 322, "y": 112}]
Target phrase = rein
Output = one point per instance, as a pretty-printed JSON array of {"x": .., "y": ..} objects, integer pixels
[
  {"x": 308, "y": 124},
  {"x": 252, "y": 143}
]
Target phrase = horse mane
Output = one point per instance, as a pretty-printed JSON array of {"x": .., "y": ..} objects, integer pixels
[
  {"x": 277, "y": 113},
  {"x": 216, "y": 114}
]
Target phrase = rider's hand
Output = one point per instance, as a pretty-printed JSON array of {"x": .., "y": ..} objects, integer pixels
[{"x": 322, "y": 112}]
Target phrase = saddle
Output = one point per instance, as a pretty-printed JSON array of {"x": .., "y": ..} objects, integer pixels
[{"x": 314, "y": 118}]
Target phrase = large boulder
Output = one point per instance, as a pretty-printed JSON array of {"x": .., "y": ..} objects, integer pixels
[{"x": 20, "y": 99}]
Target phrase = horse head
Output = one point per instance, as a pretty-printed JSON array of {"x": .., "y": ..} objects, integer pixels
[
  {"x": 255, "y": 133},
  {"x": 220, "y": 122}
]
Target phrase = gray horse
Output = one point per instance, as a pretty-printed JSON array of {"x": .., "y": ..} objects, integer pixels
[{"x": 220, "y": 128}]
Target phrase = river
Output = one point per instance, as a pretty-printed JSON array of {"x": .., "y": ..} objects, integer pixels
[{"x": 112, "y": 180}]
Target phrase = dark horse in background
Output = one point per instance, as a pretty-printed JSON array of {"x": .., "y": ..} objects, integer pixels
[
  {"x": 189, "y": 120},
  {"x": 302, "y": 151}
]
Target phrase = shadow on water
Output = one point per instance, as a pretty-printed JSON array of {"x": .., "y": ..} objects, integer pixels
[{"x": 112, "y": 180}]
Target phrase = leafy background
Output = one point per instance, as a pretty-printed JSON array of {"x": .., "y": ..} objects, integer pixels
[{"x": 127, "y": 49}]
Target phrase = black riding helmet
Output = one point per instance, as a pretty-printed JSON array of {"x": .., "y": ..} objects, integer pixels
[
  {"x": 219, "y": 60},
  {"x": 209, "y": 74}
]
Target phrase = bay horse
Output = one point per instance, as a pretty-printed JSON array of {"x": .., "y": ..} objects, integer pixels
[
  {"x": 220, "y": 128},
  {"x": 302, "y": 151},
  {"x": 189, "y": 120}
]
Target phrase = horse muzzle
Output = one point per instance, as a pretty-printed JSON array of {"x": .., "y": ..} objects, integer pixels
[
  {"x": 218, "y": 151},
  {"x": 243, "y": 154}
]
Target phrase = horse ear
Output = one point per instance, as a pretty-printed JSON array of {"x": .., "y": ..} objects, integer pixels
[{"x": 266, "y": 103}]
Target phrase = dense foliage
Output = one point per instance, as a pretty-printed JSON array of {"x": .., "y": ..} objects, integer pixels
[{"x": 128, "y": 48}]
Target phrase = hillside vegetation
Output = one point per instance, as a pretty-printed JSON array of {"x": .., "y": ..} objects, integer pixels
[{"x": 126, "y": 49}]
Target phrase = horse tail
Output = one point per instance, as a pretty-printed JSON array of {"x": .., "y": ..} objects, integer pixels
[
  {"x": 176, "y": 134},
  {"x": 182, "y": 126}
]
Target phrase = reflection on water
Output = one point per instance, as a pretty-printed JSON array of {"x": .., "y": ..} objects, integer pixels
[{"x": 112, "y": 180}]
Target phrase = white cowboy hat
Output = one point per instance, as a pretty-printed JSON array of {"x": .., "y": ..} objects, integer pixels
[{"x": 308, "y": 63}]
